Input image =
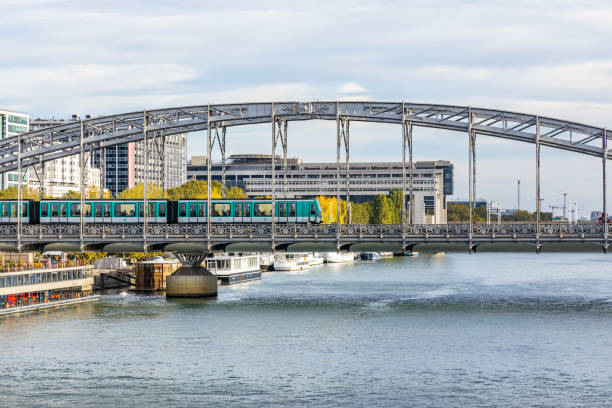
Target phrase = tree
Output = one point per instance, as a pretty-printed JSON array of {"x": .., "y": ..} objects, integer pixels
[
  {"x": 11, "y": 193},
  {"x": 361, "y": 213},
  {"x": 90, "y": 192},
  {"x": 395, "y": 197},
  {"x": 324, "y": 203},
  {"x": 137, "y": 192},
  {"x": 382, "y": 210}
]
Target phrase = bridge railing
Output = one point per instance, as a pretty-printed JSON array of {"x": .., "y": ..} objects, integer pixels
[{"x": 161, "y": 232}]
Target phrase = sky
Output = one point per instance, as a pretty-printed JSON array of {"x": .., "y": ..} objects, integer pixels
[{"x": 551, "y": 58}]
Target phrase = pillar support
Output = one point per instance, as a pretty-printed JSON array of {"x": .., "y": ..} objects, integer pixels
[
  {"x": 338, "y": 136},
  {"x": 345, "y": 138},
  {"x": 82, "y": 186},
  {"x": 19, "y": 192},
  {"x": 273, "y": 230},
  {"x": 220, "y": 139},
  {"x": 403, "y": 216},
  {"x": 145, "y": 210},
  {"x": 102, "y": 166},
  {"x": 470, "y": 176},
  {"x": 208, "y": 178},
  {"x": 538, "y": 204},
  {"x": 604, "y": 148}
]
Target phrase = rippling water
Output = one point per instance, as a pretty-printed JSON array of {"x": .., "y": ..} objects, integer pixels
[{"x": 503, "y": 329}]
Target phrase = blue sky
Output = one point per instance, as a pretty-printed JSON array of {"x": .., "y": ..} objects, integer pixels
[{"x": 544, "y": 57}]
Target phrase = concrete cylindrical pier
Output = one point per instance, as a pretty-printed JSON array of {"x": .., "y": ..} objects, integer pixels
[{"x": 191, "y": 280}]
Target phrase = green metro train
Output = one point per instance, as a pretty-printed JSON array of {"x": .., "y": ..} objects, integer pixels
[{"x": 161, "y": 211}]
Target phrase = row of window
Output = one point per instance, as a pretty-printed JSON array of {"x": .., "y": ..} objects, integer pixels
[
  {"x": 18, "y": 119},
  {"x": 41, "y": 277},
  {"x": 100, "y": 210}
]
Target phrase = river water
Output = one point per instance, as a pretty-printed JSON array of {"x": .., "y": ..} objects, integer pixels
[{"x": 490, "y": 329}]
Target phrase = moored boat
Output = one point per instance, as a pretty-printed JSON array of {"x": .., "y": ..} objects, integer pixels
[
  {"x": 315, "y": 258},
  {"x": 233, "y": 269},
  {"x": 370, "y": 256},
  {"x": 291, "y": 262},
  {"x": 338, "y": 257}
]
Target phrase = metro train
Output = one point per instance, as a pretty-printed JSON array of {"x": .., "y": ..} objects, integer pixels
[{"x": 161, "y": 211}]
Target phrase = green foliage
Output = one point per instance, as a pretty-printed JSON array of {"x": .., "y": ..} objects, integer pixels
[
  {"x": 361, "y": 213},
  {"x": 460, "y": 213},
  {"x": 11, "y": 193}
]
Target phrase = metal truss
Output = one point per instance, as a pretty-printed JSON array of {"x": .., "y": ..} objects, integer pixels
[{"x": 64, "y": 140}]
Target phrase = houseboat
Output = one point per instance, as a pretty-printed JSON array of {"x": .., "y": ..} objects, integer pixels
[
  {"x": 234, "y": 268},
  {"x": 291, "y": 262}
]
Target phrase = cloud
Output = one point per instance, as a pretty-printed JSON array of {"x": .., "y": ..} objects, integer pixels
[{"x": 351, "y": 88}]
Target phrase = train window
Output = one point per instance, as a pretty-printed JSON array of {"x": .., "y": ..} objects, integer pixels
[
  {"x": 237, "y": 210},
  {"x": 140, "y": 211},
  {"x": 54, "y": 208},
  {"x": 88, "y": 209},
  {"x": 291, "y": 209},
  {"x": 263, "y": 210},
  {"x": 75, "y": 210},
  {"x": 63, "y": 210},
  {"x": 44, "y": 210},
  {"x": 193, "y": 209},
  {"x": 24, "y": 210},
  {"x": 202, "y": 207},
  {"x": 5, "y": 210},
  {"x": 282, "y": 210},
  {"x": 151, "y": 210},
  {"x": 125, "y": 210},
  {"x": 221, "y": 210},
  {"x": 247, "y": 209},
  {"x": 162, "y": 209},
  {"x": 312, "y": 209},
  {"x": 99, "y": 210},
  {"x": 182, "y": 210},
  {"x": 107, "y": 210},
  {"x": 14, "y": 210}
]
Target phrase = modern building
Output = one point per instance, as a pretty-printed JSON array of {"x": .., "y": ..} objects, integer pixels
[
  {"x": 433, "y": 180},
  {"x": 123, "y": 166},
  {"x": 12, "y": 124}
]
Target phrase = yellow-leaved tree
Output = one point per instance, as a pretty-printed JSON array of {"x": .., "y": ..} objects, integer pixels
[
  {"x": 331, "y": 203},
  {"x": 11, "y": 193},
  {"x": 137, "y": 192}
]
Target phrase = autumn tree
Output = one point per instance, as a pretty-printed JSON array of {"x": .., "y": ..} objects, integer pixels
[{"x": 12, "y": 193}]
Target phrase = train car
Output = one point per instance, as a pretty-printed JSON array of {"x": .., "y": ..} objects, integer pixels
[
  {"x": 103, "y": 211},
  {"x": 8, "y": 212},
  {"x": 160, "y": 211},
  {"x": 249, "y": 211}
]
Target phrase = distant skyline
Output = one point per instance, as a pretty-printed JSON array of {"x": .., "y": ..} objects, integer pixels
[{"x": 548, "y": 57}]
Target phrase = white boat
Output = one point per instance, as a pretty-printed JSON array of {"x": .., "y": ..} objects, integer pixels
[
  {"x": 233, "y": 269},
  {"x": 386, "y": 254},
  {"x": 266, "y": 262},
  {"x": 291, "y": 262},
  {"x": 338, "y": 257},
  {"x": 315, "y": 258}
]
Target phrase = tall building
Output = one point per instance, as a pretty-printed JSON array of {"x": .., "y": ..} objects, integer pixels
[
  {"x": 433, "y": 180},
  {"x": 12, "y": 124},
  {"x": 122, "y": 166}
]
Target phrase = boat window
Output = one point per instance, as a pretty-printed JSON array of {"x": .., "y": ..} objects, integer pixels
[
  {"x": 193, "y": 210},
  {"x": 263, "y": 209},
  {"x": 223, "y": 263},
  {"x": 44, "y": 210},
  {"x": 282, "y": 210},
  {"x": 99, "y": 210},
  {"x": 221, "y": 210},
  {"x": 125, "y": 210},
  {"x": 107, "y": 209},
  {"x": 182, "y": 209},
  {"x": 247, "y": 209},
  {"x": 54, "y": 208},
  {"x": 202, "y": 209},
  {"x": 237, "y": 210},
  {"x": 291, "y": 209},
  {"x": 63, "y": 210},
  {"x": 162, "y": 209}
]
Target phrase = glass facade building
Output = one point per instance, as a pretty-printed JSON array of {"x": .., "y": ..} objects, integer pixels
[{"x": 12, "y": 124}]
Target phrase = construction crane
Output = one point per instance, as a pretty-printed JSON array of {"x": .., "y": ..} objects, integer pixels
[{"x": 556, "y": 207}]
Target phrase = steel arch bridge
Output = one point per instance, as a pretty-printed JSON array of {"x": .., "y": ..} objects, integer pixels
[{"x": 79, "y": 137}]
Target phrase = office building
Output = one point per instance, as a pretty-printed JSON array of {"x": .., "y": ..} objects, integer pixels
[
  {"x": 12, "y": 124},
  {"x": 433, "y": 180}
]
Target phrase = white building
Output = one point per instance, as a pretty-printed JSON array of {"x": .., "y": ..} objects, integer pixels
[
  {"x": 12, "y": 124},
  {"x": 63, "y": 175}
]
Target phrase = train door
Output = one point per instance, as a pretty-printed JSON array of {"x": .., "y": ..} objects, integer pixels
[
  {"x": 238, "y": 211},
  {"x": 162, "y": 214},
  {"x": 44, "y": 213},
  {"x": 202, "y": 212},
  {"x": 291, "y": 212},
  {"x": 221, "y": 212},
  {"x": 247, "y": 212},
  {"x": 281, "y": 211},
  {"x": 5, "y": 212},
  {"x": 182, "y": 212},
  {"x": 63, "y": 212}
]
